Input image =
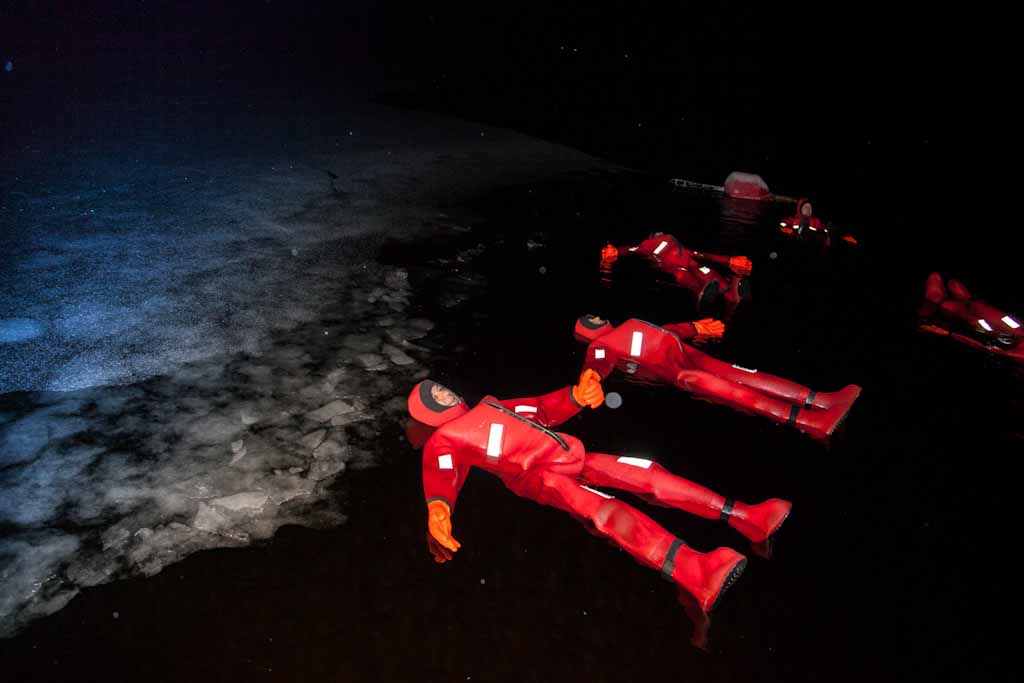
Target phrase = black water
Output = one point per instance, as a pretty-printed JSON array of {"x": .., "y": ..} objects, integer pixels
[{"x": 894, "y": 565}]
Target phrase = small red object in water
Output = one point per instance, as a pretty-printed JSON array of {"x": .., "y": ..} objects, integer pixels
[{"x": 746, "y": 186}]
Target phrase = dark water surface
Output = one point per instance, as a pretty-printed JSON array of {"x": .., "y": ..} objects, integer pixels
[{"x": 894, "y": 565}]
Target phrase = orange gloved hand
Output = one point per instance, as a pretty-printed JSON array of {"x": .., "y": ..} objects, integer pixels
[
  {"x": 850, "y": 239},
  {"x": 788, "y": 230},
  {"x": 709, "y": 327},
  {"x": 933, "y": 329},
  {"x": 740, "y": 265},
  {"x": 609, "y": 253},
  {"x": 589, "y": 392},
  {"x": 439, "y": 527}
]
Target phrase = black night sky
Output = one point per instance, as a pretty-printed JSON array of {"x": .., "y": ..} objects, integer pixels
[{"x": 233, "y": 235}]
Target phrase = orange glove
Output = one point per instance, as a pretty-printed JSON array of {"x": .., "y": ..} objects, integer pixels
[
  {"x": 439, "y": 526},
  {"x": 740, "y": 265},
  {"x": 933, "y": 329},
  {"x": 709, "y": 327},
  {"x": 589, "y": 392},
  {"x": 788, "y": 230},
  {"x": 609, "y": 253},
  {"x": 851, "y": 240}
]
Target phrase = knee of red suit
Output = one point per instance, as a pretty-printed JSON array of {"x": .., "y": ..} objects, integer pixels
[
  {"x": 426, "y": 409},
  {"x": 958, "y": 290},
  {"x": 934, "y": 289}
]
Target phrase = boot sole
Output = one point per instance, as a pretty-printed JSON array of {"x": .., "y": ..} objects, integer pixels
[
  {"x": 838, "y": 423},
  {"x": 734, "y": 574}
]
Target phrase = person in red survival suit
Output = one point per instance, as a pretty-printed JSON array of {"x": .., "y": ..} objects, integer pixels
[
  {"x": 691, "y": 269},
  {"x": 808, "y": 226},
  {"x": 513, "y": 439},
  {"x": 653, "y": 353},
  {"x": 950, "y": 304}
]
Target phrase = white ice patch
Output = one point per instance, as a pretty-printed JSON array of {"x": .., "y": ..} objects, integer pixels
[
  {"x": 740, "y": 367},
  {"x": 660, "y": 248},
  {"x": 636, "y": 462},
  {"x": 494, "y": 440},
  {"x": 1010, "y": 322},
  {"x": 637, "y": 344},
  {"x": 444, "y": 462},
  {"x": 599, "y": 353}
]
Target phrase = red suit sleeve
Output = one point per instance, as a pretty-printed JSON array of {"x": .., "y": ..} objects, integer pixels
[
  {"x": 443, "y": 473},
  {"x": 600, "y": 359},
  {"x": 549, "y": 410},
  {"x": 713, "y": 259},
  {"x": 652, "y": 246},
  {"x": 683, "y": 330}
]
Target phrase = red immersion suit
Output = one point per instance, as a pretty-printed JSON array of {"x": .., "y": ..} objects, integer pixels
[
  {"x": 513, "y": 439},
  {"x": 990, "y": 329},
  {"x": 657, "y": 353},
  {"x": 693, "y": 270},
  {"x": 810, "y": 226}
]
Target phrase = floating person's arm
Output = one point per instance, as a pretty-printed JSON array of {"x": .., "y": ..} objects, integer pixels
[
  {"x": 652, "y": 247},
  {"x": 443, "y": 477},
  {"x": 740, "y": 265},
  {"x": 698, "y": 330},
  {"x": 1016, "y": 352},
  {"x": 600, "y": 359},
  {"x": 553, "y": 409}
]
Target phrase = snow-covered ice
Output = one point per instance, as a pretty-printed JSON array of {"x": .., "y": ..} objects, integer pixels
[{"x": 196, "y": 339}]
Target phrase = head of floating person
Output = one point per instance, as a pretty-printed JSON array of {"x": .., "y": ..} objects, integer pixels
[
  {"x": 435, "y": 404},
  {"x": 590, "y": 327},
  {"x": 804, "y": 208}
]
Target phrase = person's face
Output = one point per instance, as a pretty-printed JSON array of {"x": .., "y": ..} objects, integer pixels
[
  {"x": 597, "y": 320},
  {"x": 806, "y": 209},
  {"x": 444, "y": 396}
]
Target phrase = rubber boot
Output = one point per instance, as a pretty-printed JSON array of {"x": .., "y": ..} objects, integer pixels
[
  {"x": 705, "y": 576},
  {"x": 819, "y": 424},
  {"x": 958, "y": 291},
  {"x": 844, "y": 397},
  {"x": 757, "y": 522}
]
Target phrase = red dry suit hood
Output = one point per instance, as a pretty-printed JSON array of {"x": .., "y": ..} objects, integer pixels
[
  {"x": 587, "y": 330},
  {"x": 424, "y": 408},
  {"x": 800, "y": 206}
]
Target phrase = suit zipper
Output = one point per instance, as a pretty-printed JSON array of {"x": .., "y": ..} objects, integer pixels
[{"x": 556, "y": 437}]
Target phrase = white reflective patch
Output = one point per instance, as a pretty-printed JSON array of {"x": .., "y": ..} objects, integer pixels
[
  {"x": 444, "y": 462},
  {"x": 658, "y": 249},
  {"x": 637, "y": 344},
  {"x": 635, "y": 462},
  {"x": 740, "y": 367},
  {"x": 632, "y": 248},
  {"x": 1010, "y": 322},
  {"x": 984, "y": 325},
  {"x": 704, "y": 269},
  {"x": 494, "y": 440},
  {"x": 812, "y": 228},
  {"x": 599, "y": 353},
  {"x": 600, "y": 493},
  {"x": 782, "y": 224},
  {"x": 526, "y": 409}
]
